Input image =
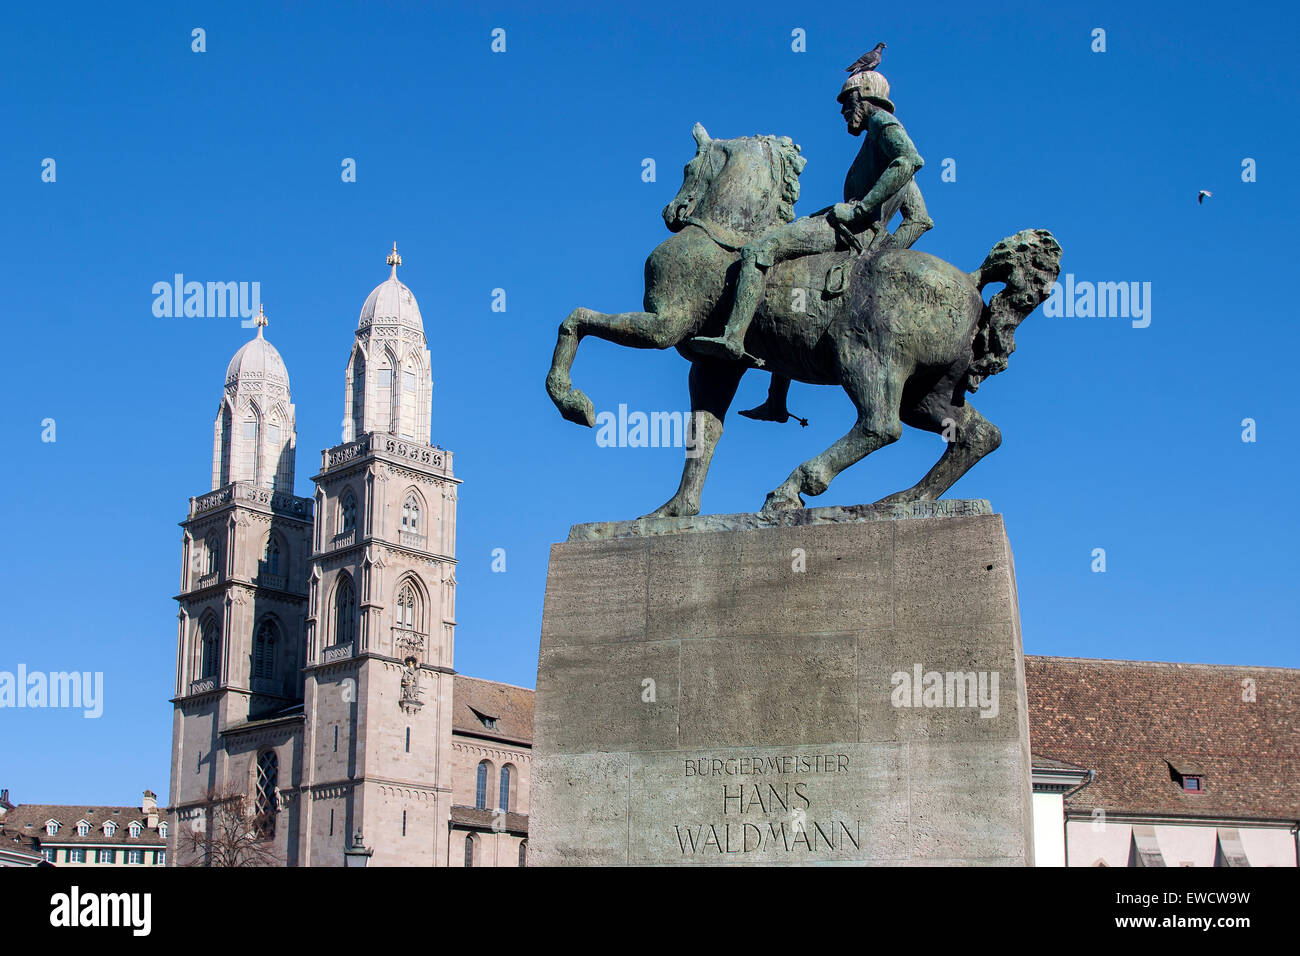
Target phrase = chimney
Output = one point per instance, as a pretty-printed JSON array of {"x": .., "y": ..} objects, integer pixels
[
  {"x": 149, "y": 807},
  {"x": 4, "y": 801}
]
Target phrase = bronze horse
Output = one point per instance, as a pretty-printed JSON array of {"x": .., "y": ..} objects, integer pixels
[{"x": 906, "y": 334}]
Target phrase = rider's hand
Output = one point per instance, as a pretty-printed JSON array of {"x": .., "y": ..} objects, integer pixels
[{"x": 843, "y": 212}]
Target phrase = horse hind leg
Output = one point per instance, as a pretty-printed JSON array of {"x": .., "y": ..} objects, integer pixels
[
  {"x": 876, "y": 389},
  {"x": 969, "y": 437},
  {"x": 713, "y": 387}
]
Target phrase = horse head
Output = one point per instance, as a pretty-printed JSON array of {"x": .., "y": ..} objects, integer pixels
[{"x": 737, "y": 189}]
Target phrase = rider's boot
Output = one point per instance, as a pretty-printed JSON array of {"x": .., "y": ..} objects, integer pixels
[
  {"x": 731, "y": 344},
  {"x": 774, "y": 409}
]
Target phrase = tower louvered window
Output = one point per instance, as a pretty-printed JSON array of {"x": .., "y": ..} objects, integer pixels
[
  {"x": 347, "y": 513},
  {"x": 210, "y": 649},
  {"x": 344, "y": 611},
  {"x": 264, "y": 650}
]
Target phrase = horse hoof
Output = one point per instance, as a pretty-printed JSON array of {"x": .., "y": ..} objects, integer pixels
[
  {"x": 779, "y": 504},
  {"x": 901, "y": 498},
  {"x": 576, "y": 408},
  {"x": 672, "y": 509}
]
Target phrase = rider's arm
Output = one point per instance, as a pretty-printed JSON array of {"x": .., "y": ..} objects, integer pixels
[{"x": 902, "y": 167}]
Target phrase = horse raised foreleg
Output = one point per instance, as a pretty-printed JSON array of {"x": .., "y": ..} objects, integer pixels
[
  {"x": 639, "y": 330},
  {"x": 875, "y": 389},
  {"x": 713, "y": 386},
  {"x": 970, "y": 436}
]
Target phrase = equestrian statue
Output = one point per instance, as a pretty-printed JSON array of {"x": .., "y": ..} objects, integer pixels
[{"x": 833, "y": 298}]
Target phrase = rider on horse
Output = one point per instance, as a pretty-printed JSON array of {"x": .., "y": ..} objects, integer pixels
[{"x": 879, "y": 183}]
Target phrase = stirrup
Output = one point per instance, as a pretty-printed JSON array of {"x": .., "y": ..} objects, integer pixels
[{"x": 720, "y": 347}]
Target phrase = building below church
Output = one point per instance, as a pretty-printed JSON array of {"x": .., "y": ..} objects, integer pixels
[
  {"x": 62, "y": 835},
  {"x": 316, "y": 700},
  {"x": 1141, "y": 763}
]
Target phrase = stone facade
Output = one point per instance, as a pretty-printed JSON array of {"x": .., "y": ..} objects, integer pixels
[
  {"x": 733, "y": 696},
  {"x": 315, "y": 644}
]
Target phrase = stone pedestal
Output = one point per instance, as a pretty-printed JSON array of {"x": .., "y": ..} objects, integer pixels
[{"x": 844, "y": 686}]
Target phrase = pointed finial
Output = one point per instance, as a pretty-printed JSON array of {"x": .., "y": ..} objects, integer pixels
[
  {"x": 394, "y": 259},
  {"x": 260, "y": 320}
]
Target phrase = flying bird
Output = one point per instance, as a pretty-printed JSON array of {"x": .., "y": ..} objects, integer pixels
[
  {"x": 867, "y": 62},
  {"x": 1200, "y": 197}
]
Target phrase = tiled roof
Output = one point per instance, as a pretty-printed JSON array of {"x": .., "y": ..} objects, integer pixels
[
  {"x": 487, "y": 819},
  {"x": 28, "y": 819},
  {"x": 1131, "y": 720},
  {"x": 511, "y": 706}
]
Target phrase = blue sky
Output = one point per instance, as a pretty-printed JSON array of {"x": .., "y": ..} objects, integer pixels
[{"x": 522, "y": 170}]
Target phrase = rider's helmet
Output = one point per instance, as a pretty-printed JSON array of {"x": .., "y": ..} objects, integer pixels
[{"x": 871, "y": 86}]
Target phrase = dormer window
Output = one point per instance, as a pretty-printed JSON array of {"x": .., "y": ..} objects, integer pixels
[
  {"x": 83, "y": 828},
  {"x": 487, "y": 720},
  {"x": 134, "y": 830},
  {"x": 1187, "y": 773},
  {"x": 51, "y": 827},
  {"x": 162, "y": 830},
  {"x": 109, "y": 828}
]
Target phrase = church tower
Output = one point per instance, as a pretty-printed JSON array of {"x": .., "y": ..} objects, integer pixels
[
  {"x": 243, "y": 595},
  {"x": 381, "y": 606}
]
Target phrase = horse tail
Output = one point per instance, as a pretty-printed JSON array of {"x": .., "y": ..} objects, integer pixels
[{"x": 1028, "y": 264}]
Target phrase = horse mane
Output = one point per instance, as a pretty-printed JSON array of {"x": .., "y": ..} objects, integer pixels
[
  {"x": 1027, "y": 263},
  {"x": 786, "y": 151}
]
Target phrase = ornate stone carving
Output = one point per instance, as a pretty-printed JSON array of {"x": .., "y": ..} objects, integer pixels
[{"x": 411, "y": 700}]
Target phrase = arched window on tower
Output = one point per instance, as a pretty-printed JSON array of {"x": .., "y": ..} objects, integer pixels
[
  {"x": 225, "y": 474},
  {"x": 264, "y": 650},
  {"x": 212, "y": 551},
  {"x": 411, "y": 513},
  {"x": 523, "y": 852},
  {"x": 248, "y": 450},
  {"x": 271, "y": 556},
  {"x": 268, "y": 473},
  {"x": 408, "y": 402},
  {"x": 358, "y": 395},
  {"x": 481, "y": 786},
  {"x": 267, "y": 801},
  {"x": 345, "y": 603},
  {"x": 209, "y": 648},
  {"x": 503, "y": 804},
  {"x": 383, "y": 404},
  {"x": 347, "y": 512},
  {"x": 408, "y": 616},
  {"x": 469, "y": 849}
]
